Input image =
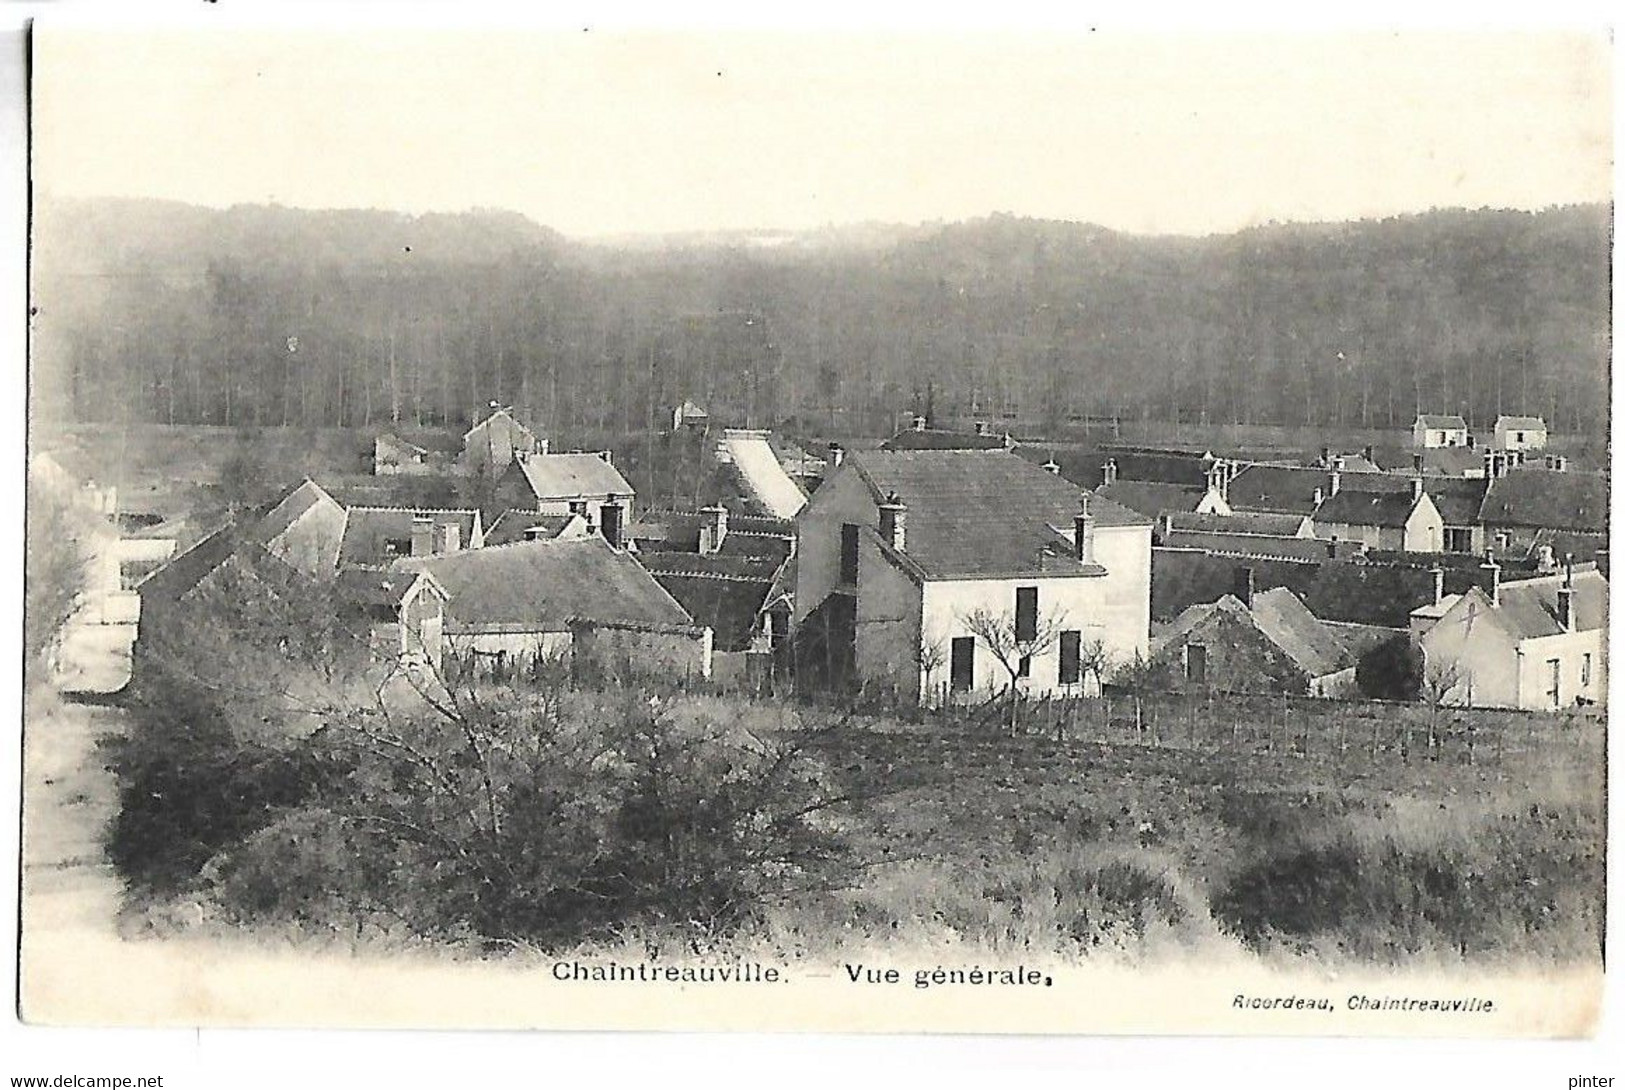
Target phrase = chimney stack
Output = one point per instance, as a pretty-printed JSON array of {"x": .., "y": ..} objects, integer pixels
[
  {"x": 1052, "y": 466},
  {"x": 919, "y": 423},
  {"x": 1339, "y": 463},
  {"x": 608, "y": 456},
  {"x": 1565, "y": 596},
  {"x": 1489, "y": 464},
  {"x": 1416, "y": 490},
  {"x": 1369, "y": 452},
  {"x": 1602, "y": 561},
  {"x": 1320, "y": 495},
  {"x": 1416, "y": 461},
  {"x": 451, "y": 538},
  {"x": 1331, "y": 548},
  {"x": 713, "y": 528},
  {"x": 1492, "y": 577},
  {"x": 612, "y": 524},
  {"x": 1108, "y": 472},
  {"x": 837, "y": 455},
  {"x": 1334, "y": 483},
  {"x": 1471, "y": 442},
  {"x": 422, "y": 535},
  {"x": 1083, "y": 532},
  {"x": 1244, "y": 586},
  {"x": 1325, "y": 457},
  {"x": 1438, "y": 584},
  {"x": 542, "y": 445},
  {"x": 894, "y": 522},
  {"x": 536, "y": 533}
]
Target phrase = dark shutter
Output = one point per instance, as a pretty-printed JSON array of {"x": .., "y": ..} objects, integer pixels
[
  {"x": 1195, "y": 663},
  {"x": 1024, "y": 668},
  {"x": 962, "y": 668},
  {"x": 1071, "y": 642},
  {"x": 1026, "y": 614},
  {"x": 849, "y": 555}
]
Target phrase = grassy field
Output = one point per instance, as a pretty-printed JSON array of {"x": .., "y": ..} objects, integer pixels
[{"x": 1221, "y": 842}]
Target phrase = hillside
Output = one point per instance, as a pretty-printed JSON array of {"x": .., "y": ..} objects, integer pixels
[{"x": 270, "y": 315}]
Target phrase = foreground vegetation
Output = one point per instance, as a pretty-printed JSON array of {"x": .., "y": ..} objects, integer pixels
[{"x": 551, "y": 814}]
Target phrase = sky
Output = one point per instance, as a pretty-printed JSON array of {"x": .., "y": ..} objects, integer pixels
[{"x": 596, "y": 133}]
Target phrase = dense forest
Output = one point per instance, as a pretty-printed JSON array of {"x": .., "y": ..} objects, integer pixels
[{"x": 167, "y": 313}]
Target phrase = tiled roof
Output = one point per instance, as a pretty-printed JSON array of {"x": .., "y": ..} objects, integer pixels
[
  {"x": 1520, "y": 423},
  {"x": 494, "y": 415},
  {"x": 539, "y": 586},
  {"x": 427, "y": 440},
  {"x": 1188, "y": 468},
  {"x": 1458, "y": 499},
  {"x": 1242, "y": 522},
  {"x": 1263, "y": 546},
  {"x": 729, "y": 605},
  {"x": 1283, "y": 617},
  {"x": 512, "y": 525},
  {"x": 567, "y": 476},
  {"x": 1436, "y": 461},
  {"x": 1529, "y": 606},
  {"x": 1548, "y": 498},
  {"x": 1292, "y": 488},
  {"x": 1437, "y": 422},
  {"x": 973, "y": 512},
  {"x": 398, "y": 490},
  {"x": 369, "y": 529},
  {"x": 1152, "y": 498},
  {"x": 372, "y": 589},
  {"x": 1351, "y": 508}
]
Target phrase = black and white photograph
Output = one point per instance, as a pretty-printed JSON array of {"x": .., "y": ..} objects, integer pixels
[{"x": 1069, "y": 533}]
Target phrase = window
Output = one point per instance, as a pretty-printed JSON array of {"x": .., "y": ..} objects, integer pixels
[
  {"x": 1071, "y": 666},
  {"x": 1458, "y": 539},
  {"x": 962, "y": 664},
  {"x": 1024, "y": 668},
  {"x": 1585, "y": 670},
  {"x": 1026, "y": 614},
  {"x": 1196, "y": 663},
  {"x": 849, "y": 555},
  {"x": 1554, "y": 679},
  {"x": 578, "y": 507},
  {"x": 1518, "y": 437}
]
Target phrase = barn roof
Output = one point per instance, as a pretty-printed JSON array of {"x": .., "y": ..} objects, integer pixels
[
  {"x": 540, "y": 586},
  {"x": 1446, "y": 422},
  {"x": 368, "y": 531},
  {"x": 1520, "y": 423}
]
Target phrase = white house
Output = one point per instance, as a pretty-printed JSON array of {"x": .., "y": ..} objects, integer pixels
[
  {"x": 904, "y": 557},
  {"x": 1439, "y": 431},
  {"x": 575, "y": 483},
  {"x": 493, "y": 444},
  {"x": 1520, "y": 433},
  {"x": 1539, "y": 644}
]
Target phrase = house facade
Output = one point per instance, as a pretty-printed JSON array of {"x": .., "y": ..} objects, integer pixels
[
  {"x": 1252, "y": 642},
  {"x": 937, "y": 573},
  {"x": 496, "y": 442},
  {"x": 1520, "y": 433},
  {"x": 1431, "y": 430},
  {"x": 1396, "y": 521},
  {"x": 1537, "y": 644}
]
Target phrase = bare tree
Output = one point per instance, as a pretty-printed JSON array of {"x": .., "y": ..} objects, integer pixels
[
  {"x": 932, "y": 655},
  {"x": 1441, "y": 677},
  {"x": 1014, "y": 650}
]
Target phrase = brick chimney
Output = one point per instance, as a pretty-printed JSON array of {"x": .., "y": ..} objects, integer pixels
[
  {"x": 612, "y": 524},
  {"x": 1334, "y": 482},
  {"x": 422, "y": 535},
  {"x": 542, "y": 445},
  {"x": 1438, "y": 584},
  {"x": 1325, "y": 456},
  {"x": 1244, "y": 586},
  {"x": 1492, "y": 577},
  {"x": 1320, "y": 495},
  {"x": 1489, "y": 464},
  {"x": 894, "y": 522},
  {"x": 1565, "y": 596},
  {"x": 1416, "y": 461},
  {"x": 713, "y": 528},
  {"x": 1083, "y": 532},
  {"x": 1331, "y": 548},
  {"x": 1416, "y": 490},
  {"x": 1369, "y": 452}
]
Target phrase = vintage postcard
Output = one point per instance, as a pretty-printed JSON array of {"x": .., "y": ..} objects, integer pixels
[{"x": 1016, "y": 533}]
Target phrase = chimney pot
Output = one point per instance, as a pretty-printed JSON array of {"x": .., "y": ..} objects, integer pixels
[
  {"x": 1416, "y": 490},
  {"x": 1438, "y": 584},
  {"x": 919, "y": 423},
  {"x": 422, "y": 535},
  {"x": 1083, "y": 532},
  {"x": 837, "y": 455},
  {"x": 894, "y": 522},
  {"x": 713, "y": 528}
]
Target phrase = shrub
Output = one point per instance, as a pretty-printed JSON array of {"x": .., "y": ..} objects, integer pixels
[{"x": 551, "y": 820}]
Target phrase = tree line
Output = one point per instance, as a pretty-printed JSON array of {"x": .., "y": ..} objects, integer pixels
[{"x": 254, "y": 316}]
